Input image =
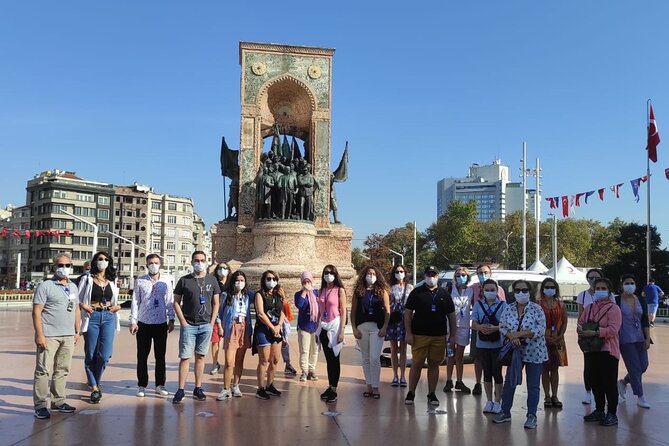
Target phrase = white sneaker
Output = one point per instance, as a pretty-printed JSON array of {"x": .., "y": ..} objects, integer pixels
[
  {"x": 224, "y": 395},
  {"x": 641, "y": 402},
  {"x": 488, "y": 407},
  {"x": 236, "y": 392},
  {"x": 496, "y": 407},
  {"x": 587, "y": 398},
  {"x": 141, "y": 392},
  {"x": 622, "y": 390},
  {"x": 161, "y": 390}
]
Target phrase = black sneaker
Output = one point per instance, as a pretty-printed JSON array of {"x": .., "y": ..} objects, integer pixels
[
  {"x": 449, "y": 386},
  {"x": 96, "y": 396},
  {"x": 595, "y": 415},
  {"x": 331, "y": 398},
  {"x": 610, "y": 419},
  {"x": 42, "y": 414},
  {"x": 271, "y": 390},
  {"x": 327, "y": 393},
  {"x": 63, "y": 408},
  {"x": 477, "y": 389},
  {"x": 408, "y": 400},
  {"x": 178, "y": 396},
  {"x": 198, "y": 394},
  {"x": 459, "y": 385},
  {"x": 262, "y": 394},
  {"x": 432, "y": 399}
]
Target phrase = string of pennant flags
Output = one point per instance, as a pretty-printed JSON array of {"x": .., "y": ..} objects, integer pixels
[{"x": 27, "y": 233}]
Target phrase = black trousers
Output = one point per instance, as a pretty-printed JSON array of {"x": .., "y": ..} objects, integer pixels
[
  {"x": 332, "y": 360},
  {"x": 603, "y": 371},
  {"x": 146, "y": 333}
]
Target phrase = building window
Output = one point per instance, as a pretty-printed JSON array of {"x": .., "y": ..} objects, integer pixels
[
  {"x": 171, "y": 246},
  {"x": 85, "y": 197},
  {"x": 185, "y": 246},
  {"x": 103, "y": 214},
  {"x": 186, "y": 221},
  {"x": 156, "y": 245},
  {"x": 170, "y": 260},
  {"x": 102, "y": 200},
  {"x": 85, "y": 212},
  {"x": 104, "y": 241},
  {"x": 172, "y": 219},
  {"x": 185, "y": 233},
  {"x": 156, "y": 218},
  {"x": 103, "y": 227},
  {"x": 171, "y": 206},
  {"x": 171, "y": 232},
  {"x": 157, "y": 205}
]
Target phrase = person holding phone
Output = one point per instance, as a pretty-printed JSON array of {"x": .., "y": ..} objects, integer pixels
[{"x": 151, "y": 319}]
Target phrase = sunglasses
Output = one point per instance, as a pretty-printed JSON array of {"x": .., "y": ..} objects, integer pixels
[
  {"x": 328, "y": 272},
  {"x": 522, "y": 290},
  {"x": 64, "y": 265},
  {"x": 549, "y": 288},
  {"x": 461, "y": 275},
  {"x": 593, "y": 278},
  {"x": 399, "y": 271},
  {"x": 267, "y": 279},
  {"x": 102, "y": 259},
  {"x": 601, "y": 288}
]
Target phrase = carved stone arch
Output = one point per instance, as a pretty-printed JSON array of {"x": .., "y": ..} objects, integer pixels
[{"x": 288, "y": 102}]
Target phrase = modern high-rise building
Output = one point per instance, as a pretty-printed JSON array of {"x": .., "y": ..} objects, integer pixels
[{"x": 489, "y": 187}]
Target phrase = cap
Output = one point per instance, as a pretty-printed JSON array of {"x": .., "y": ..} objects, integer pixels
[{"x": 431, "y": 271}]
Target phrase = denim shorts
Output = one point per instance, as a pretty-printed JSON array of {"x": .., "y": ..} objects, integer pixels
[
  {"x": 263, "y": 336},
  {"x": 194, "y": 337},
  {"x": 652, "y": 308}
]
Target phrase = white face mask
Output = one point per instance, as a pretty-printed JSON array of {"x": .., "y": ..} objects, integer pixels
[
  {"x": 629, "y": 288},
  {"x": 63, "y": 272},
  {"x": 223, "y": 272},
  {"x": 308, "y": 286},
  {"x": 371, "y": 280},
  {"x": 240, "y": 285},
  {"x": 198, "y": 267},
  {"x": 399, "y": 276},
  {"x": 153, "y": 268},
  {"x": 490, "y": 295},
  {"x": 522, "y": 298},
  {"x": 271, "y": 283},
  {"x": 329, "y": 278},
  {"x": 430, "y": 281},
  {"x": 102, "y": 265}
]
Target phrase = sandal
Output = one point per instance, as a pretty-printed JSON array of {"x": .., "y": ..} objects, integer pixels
[
  {"x": 548, "y": 402},
  {"x": 556, "y": 402},
  {"x": 395, "y": 383}
]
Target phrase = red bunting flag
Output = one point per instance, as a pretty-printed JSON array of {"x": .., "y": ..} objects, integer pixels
[
  {"x": 666, "y": 173},
  {"x": 653, "y": 136},
  {"x": 565, "y": 206},
  {"x": 578, "y": 199},
  {"x": 55, "y": 233},
  {"x": 66, "y": 232},
  {"x": 616, "y": 189},
  {"x": 601, "y": 193},
  {"x": 3, "y": 233},
  {"x": 16, "y": 233},
  {"x": 27, "y": 233}
]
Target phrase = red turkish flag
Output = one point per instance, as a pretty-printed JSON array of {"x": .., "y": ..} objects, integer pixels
[
  {"x": 27, "y": 233},
  {"x": 653, "y": 137},
  {"x": 3, "y": 233},
  {"x": 55, "y": 233},
  {"x": 66, "y": 232},
  {"x": 565, "y": 206}
]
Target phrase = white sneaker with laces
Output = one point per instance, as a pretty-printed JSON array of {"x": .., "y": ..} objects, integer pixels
[
  {"x": 161, "y": 390},
  {"x": 141, "y": 392},
  {"x": 641, "y": 402},
  {"x": 587, "y": 398},
  {"x": 224, "y": 395},
  {"x": 622, "y": 390},
  {"x": 496, "y": 407},
  {"x": 488, "y": 407},
  {"x": 236, "y": 392}
]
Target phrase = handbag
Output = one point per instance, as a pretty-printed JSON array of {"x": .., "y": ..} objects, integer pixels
[
  {"x": 396, "y": 316},
  {"x": 591, "y": 343}
]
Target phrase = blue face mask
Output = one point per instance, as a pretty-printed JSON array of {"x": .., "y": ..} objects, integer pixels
[
  {"x": 461, "y": 280},
  {"x": 483, "y": 277},
  {"x": 600, "y": 295}
]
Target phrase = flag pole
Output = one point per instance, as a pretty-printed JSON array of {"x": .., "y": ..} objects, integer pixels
[{"x": 648, "y": 245}]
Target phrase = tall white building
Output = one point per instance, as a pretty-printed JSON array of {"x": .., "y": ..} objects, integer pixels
[{"x": 489, "y": 187}]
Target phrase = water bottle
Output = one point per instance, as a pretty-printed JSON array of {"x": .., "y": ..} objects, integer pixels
[{"x": 450, "y": 351}]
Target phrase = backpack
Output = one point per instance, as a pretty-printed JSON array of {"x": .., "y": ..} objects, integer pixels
[{"x": 492, "y": 320}]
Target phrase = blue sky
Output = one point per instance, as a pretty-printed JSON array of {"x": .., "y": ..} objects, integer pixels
[{"x": 142, "y": 91}]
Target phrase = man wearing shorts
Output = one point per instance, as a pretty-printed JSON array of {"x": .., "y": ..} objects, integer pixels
[
  {"x": 429, "y": 316},
  {"x": 196, "y": 305},
  {"x": 652, "y": 293}
]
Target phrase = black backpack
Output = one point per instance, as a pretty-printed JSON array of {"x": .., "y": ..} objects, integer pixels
[{"x": 492, "y": 320}]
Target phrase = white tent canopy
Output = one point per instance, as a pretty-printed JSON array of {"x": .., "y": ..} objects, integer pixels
[
  {"x": 567, "y": 273},
  {"x": 538, "y": 267}
]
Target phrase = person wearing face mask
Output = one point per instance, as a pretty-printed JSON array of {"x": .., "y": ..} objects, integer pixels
[
  {"x": 151, "y": 319},
  {"x": 84, "y": 275},
  {"x": 604, "y": 362},
  {"x": 306, "y": 301},
  {"x": 98, "y": 299},
  {"x": 634, "y": 339},
  {"x": 523, "y": 323},
  {"x": 267, "y": 334},
  {"x": 56, "y": 320},
  {"x": 370, "y": 312},
  {"x": 330, "y": 333},
  {"x": 485, "y": 320},
  {"x": 399, "y": 291},
  {"x": 556, "y": 325},
  {"x": 483, "y": 273},
  {"x": 462, "y": 299},
  {"x": 235, "y": 315},
  {"x": 221, "y": 273},
  {"x": 429, "y": 317},
  {"x": 196, "y": 302}
]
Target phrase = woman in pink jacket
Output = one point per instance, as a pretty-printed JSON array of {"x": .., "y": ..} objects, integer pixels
[{"x": 603, "y": 363}]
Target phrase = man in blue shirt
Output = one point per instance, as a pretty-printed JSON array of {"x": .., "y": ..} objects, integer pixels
[{"x": 652, "y": 293}]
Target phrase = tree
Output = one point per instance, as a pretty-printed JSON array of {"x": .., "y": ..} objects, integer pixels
[
  {"x": 379, "y": 249},
  {"x": 455, "y": 235}
]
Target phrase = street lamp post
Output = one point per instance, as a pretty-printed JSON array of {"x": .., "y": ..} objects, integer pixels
[
  {"x": 397, "y": 253},
  {"x": 94, "y": 226},
  {"x": 554, "y": 234},
  {"x": 506, "y": 252}
]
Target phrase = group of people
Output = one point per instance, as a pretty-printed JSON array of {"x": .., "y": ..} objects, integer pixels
[{"x": 437, "y": 323}]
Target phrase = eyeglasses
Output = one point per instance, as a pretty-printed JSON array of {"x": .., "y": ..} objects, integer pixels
[
  {"x": 549, "y": 288},
  {"x": 522, "y": 290},
  {"x": 64, "y": 265}
]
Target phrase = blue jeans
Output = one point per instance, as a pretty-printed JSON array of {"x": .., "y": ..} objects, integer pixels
[
  {"x": 98, "y": 345},
  {"x": 533, "y": 380}
]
